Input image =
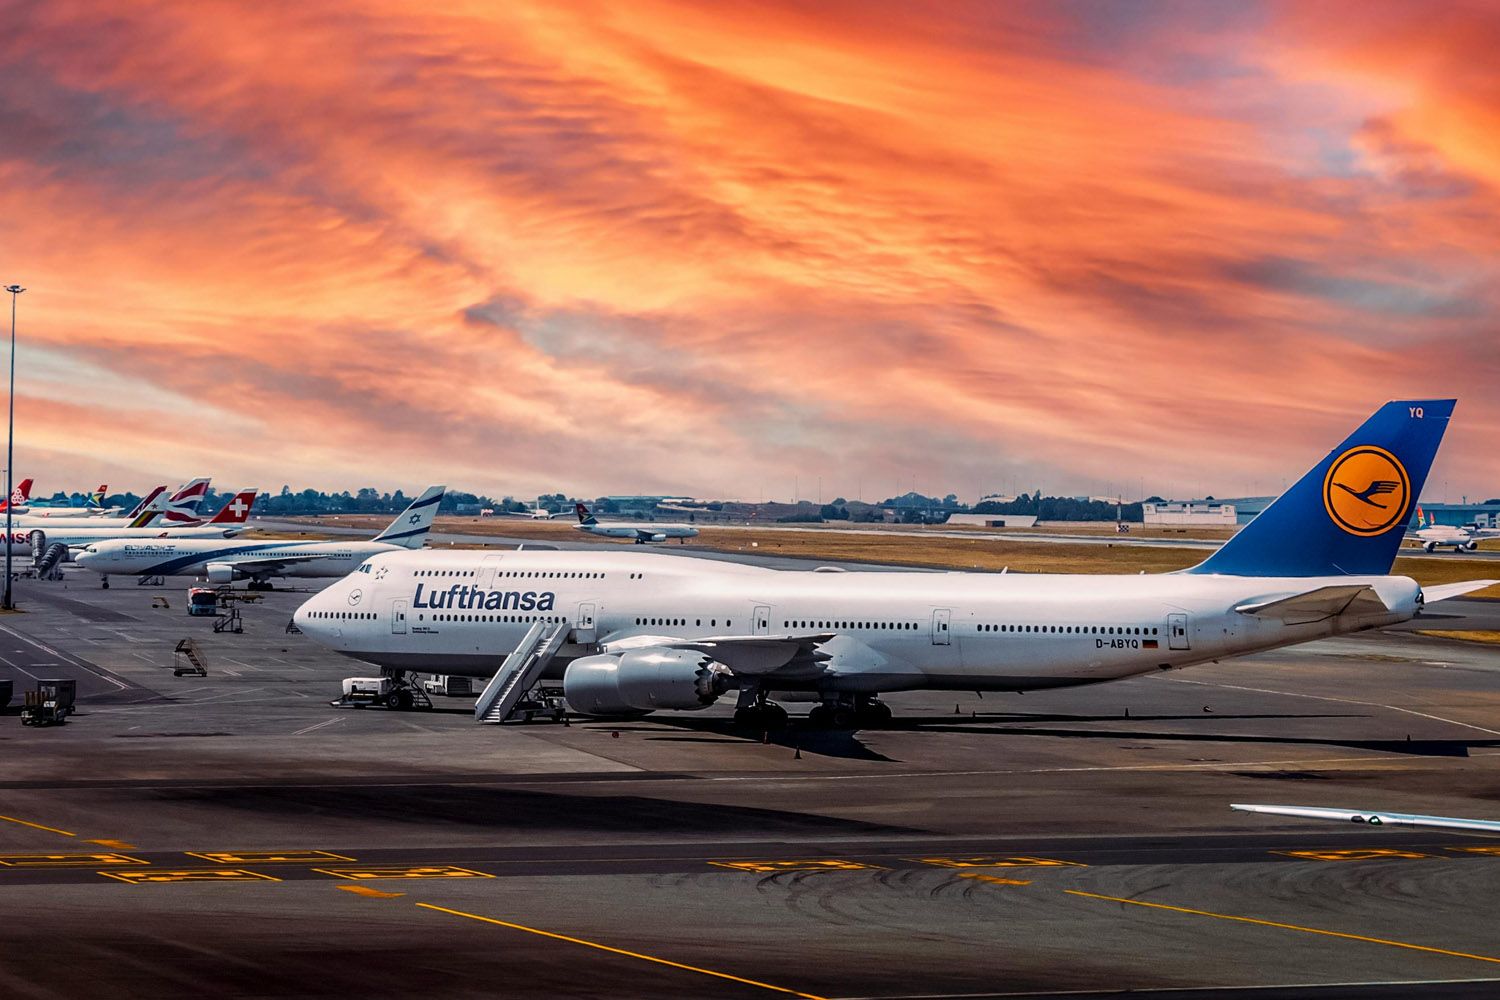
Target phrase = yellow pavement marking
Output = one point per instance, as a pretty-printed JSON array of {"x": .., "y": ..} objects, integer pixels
[
  {"x": 794, "y": 866},
  {"x": 622, "y": 951},
  {"x": 1478, "y": 849},
  {"x": 268, "y": 857},
  {"x": 118, "y": 845},
  {"x": 38, "y": 826},
  {"x": 994, "y": 879},
  {"x": 364, "y": 890},
  {"x": 1000, "y": 862},
  {"x": 417, "y": 871},
  {"x": 1288, "y": 927},
  {"x": 1353, "y": 854},
  {"x": 197, "y": 875},
  {"x": 66, "y": 860}
]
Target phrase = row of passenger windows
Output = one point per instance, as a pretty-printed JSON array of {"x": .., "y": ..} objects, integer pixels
[
  {"x": 470, "y": 574},
  {"x": 343, "y": 614},
  {"x": 1071, "y": 629},
  {"x": 879, "y": 626},
  {"x": 492, "y": 618},
  {"x": 681, "y": 621}
]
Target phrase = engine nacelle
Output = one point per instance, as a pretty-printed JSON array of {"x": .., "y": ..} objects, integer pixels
[
  {"x": 219, "y": 573},
  {"x": 1470, "y": 545},
  {"x": 643, "y": 680},
  {"x": 1430, "y": 546}
]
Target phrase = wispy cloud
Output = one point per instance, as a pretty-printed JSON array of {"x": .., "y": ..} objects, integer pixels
[{"x": 708, "y": 249}]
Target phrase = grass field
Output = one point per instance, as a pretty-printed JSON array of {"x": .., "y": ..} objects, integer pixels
[{"x": 986, "y": 551}]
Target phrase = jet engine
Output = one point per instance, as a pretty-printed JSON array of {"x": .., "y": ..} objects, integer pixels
[
  {"x": 1430, "y": 546},
  {"x": 1470, "y": 545},
  {"x": 643, "y": 680},
  {"x": 219, "y": 573}
]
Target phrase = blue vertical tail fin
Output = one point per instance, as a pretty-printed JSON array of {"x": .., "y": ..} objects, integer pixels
[{"x": 1349, "y": 513}]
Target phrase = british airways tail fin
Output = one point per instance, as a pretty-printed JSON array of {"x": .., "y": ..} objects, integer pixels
[
  {"x": 410, "y": 528},
  {"x": 1349, "y": 513}
]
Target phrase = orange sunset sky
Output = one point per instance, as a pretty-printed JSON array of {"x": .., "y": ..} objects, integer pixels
[{"x": 698, "y": 248}]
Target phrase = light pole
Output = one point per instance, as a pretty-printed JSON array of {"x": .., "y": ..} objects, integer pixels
[{"x": 10, "y": 443}]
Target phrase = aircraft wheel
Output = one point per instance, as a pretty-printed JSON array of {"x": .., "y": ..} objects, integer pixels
[
  {"x": 400, "y": 701},
  {"x": 875, "y": 713},
  {"x": 844, "y": 717},
  {"x": 105, "y": 584}
]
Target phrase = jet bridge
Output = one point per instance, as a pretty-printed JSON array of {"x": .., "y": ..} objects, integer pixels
[{"x": 519, "y": 674}]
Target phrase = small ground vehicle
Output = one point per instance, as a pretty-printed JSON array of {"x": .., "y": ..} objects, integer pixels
[
  {"x": 391, "y": 692},
  {"x": 50, "y": 704}
]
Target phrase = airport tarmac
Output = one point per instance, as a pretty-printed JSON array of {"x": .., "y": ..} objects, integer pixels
[{"x": 235, "y": 835}]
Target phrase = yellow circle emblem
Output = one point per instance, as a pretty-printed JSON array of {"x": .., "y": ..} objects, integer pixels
[{"x": 1366, "y": 491}]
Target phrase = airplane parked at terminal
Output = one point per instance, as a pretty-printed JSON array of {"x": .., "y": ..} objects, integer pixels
[
  {"x": 20, "y": 496},
  {"x": 149, "y": 512},
  {"x": 1432, "y": 535},
  {"x": 93, "y": 507},
  {"x": 640, "y": 532},
  {"x": 634, "y": 633},
  {"x": 260, "y": 560},
  {"x": 52, "y": 543}
]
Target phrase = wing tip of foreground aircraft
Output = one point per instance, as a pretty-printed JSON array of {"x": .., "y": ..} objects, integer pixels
[{"x": 1370, "y": 817}]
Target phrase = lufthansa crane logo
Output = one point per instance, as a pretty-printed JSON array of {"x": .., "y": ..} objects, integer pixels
[
  {"x": 355, "y": 595},
  {"x": 1366, "y": 491}
]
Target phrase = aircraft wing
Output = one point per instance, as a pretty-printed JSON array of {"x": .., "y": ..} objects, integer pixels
[
  {"x": 1443, "y": 591},
  {"x": 1375, "y": 818},
  {"x": 743, "y": 654},
  {"x": 646, "y": 535},
  {"x": 263, "y": 564},
  {"x": 1315, "y": 605}
]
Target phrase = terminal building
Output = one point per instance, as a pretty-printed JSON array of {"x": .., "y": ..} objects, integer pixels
[
  {"x": 993, "y": 520},
  {"x": 1207, "y": 513}
]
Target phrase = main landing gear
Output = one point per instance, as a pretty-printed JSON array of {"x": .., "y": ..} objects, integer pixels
[
  {"x": 259, "y": 584},
  {"x": 754, "y": 711},
  {"x": 862, "y": 712}
]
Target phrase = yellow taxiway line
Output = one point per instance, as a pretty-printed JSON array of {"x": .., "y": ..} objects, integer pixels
[
  {"x": 38, "y": 826},
  {"x": 622, "y": 951},
  {"x": 1289, "y": 927}
]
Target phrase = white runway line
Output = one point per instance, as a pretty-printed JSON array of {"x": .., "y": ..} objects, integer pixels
[{"x": 1344, "y": 701}]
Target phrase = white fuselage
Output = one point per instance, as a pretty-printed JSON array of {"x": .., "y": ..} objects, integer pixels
[
  {"x": 461, "y": 612},
  {"x": 74, "y": 534},
  {"x": 1444, "y": 535},
  {"x": 193, "y": 556},
  {"x": 642, "y": 531}
]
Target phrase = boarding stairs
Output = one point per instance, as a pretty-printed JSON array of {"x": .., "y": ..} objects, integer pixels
[
  {"x": 520, "y": 671},
  {"x": 188, "y": 660}
]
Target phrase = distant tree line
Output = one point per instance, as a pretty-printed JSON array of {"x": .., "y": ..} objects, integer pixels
[{"x": 1061, "y": 508}]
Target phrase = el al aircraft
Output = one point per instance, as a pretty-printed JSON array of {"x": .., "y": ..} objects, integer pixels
[
  {"x": 646, "y": 632},
  {"x": 639, "y": 532},
  {"x": 220, "y": 562}
]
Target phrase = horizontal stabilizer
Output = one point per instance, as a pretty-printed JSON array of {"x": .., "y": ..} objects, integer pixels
[
  {"x": 1375, "y": 818},
  {"x": 1316, "y": 605},
  {"x": 1443, "y": 591}
]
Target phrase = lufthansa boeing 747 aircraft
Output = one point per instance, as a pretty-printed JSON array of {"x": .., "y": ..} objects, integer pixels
[{"x": 635, "y": 632}]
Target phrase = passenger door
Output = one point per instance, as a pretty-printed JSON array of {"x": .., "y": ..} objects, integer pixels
[
  {"x": 398, "y": 618},
  {"x": 1177, "y": 632},
  {"x": 584, "y": 630},
  {"x": 942, "y": 620},
  {"x": 487, "y": 567},
  {"x": 761, "y": 621}
]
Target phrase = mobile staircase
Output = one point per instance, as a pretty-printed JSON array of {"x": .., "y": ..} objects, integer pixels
[
  {"x": 188, "y": 660},
  {"x": 502, "y": 697}
]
